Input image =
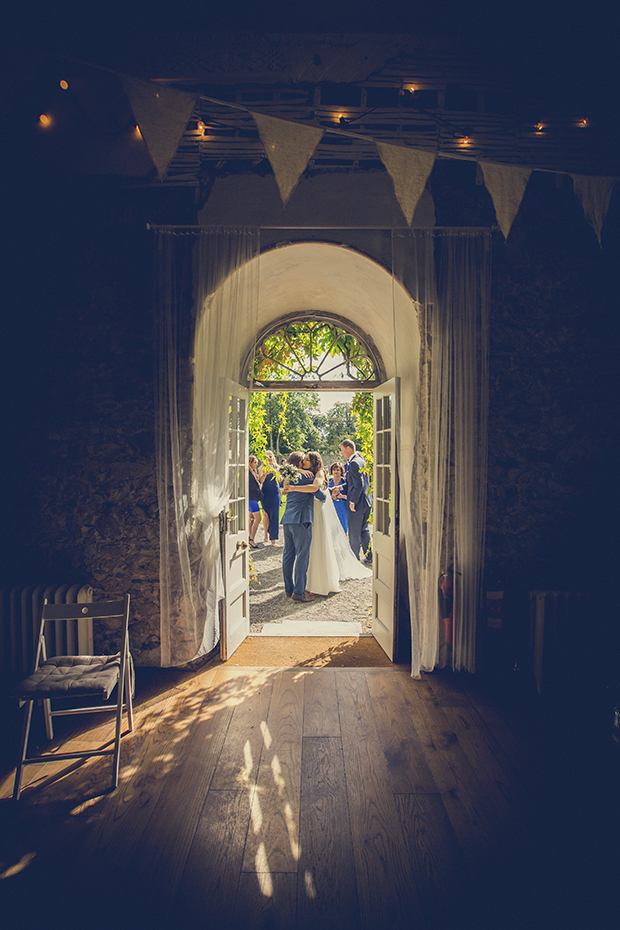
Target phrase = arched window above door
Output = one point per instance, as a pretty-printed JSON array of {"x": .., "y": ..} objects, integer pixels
[{"x": 316, "y": 352}]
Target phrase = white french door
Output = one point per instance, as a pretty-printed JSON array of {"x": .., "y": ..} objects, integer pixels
[
  {"x": 235, "y": 608},
  {"x": 385, "y": 518}
]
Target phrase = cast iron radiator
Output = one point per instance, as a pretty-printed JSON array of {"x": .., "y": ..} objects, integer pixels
[{"x": 20, "y": 616}]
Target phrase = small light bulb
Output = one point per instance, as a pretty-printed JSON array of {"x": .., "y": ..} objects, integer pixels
[
  {"x": 201, "y": 126},
  {"x": 64, "y": 85},
  {"x": 540, "y": 126},
  {"x": 583, "y": 122},
  {"x": 45, "y": 120}
]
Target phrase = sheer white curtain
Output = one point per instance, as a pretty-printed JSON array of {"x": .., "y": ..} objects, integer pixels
[
  {"x": 443, "y": 488},
  {"x": 207, "y": 299}
]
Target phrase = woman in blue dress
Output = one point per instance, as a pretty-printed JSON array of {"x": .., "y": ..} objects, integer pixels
[
  {"x": 271, "y": 498},
  {"x": 340, "y": 501}
]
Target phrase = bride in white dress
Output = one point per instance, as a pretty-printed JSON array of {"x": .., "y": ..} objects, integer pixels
[{"x": 331, "y": 556}]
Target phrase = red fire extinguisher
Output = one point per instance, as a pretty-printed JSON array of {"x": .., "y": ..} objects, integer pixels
[{"x": 446, "y": 604}]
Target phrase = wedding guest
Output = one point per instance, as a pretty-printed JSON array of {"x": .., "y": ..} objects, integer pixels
[
  {"x": 268, "y": 474},
  {"x": 336, "y": 486},
  {"x": 255, "y": 496},
  {"x": 357, "y": 485}
]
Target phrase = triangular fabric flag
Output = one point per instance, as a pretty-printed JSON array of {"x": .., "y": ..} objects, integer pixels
[
  {"x": 409, "y": 170},
  {"x": 289, "y": 147},
  {"x": 506, "y": 184},
  {"x": 162, "y": 114},
  {"x": 594, "y": 195}
]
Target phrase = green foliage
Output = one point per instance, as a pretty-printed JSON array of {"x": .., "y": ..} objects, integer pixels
[
  {"x": 284, "y": 422},
  {"x": 287, "y": 421},
  {"x": 362, "y": 406},
  {"x": 340, "y": 424},
  {"x": 312, "y": 350},
  {"x": 257, "y": 424}
]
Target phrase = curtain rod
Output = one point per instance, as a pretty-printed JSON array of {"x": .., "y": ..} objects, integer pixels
[{"x": 189, "y": 226}]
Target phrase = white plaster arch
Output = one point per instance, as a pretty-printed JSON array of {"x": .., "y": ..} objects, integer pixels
[
  {"x": 330, "y": 278},
  {"x": 337, "y": 279}
]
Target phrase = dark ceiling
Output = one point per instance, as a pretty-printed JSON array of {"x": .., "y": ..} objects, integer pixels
[
  {"x": 561, "y": 56},
  {"x": 568, "y": 48}
]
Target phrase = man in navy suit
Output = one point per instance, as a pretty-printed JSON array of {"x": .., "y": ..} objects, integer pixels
[
  {"x": 356, "y": 490},
  {"x": 297, "y": 523}
]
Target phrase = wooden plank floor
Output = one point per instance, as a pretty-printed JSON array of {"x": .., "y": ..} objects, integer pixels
[{"x": 309, "y": 798}]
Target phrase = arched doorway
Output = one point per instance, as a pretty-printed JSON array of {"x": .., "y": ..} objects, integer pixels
[
  {"x": 313, "y": 377},
  {"x": 323, "y": 281},
  {"x": 422, "y": 296}
]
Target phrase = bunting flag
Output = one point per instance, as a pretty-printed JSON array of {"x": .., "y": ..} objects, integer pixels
[
  {"x": 409, "y": 170},
  {"x": 289, "y": 147},
  {"x": 506, "y": 184},
  {"x": 162, "y": 114},
  {"x": 594, "y": 195}
]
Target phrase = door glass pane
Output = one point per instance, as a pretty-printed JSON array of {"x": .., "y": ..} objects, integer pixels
[
  {"x": 387, "y": 412},
  {"x": 236, "y": 466},
  {"x": 379, "y": 414},
  {"x": 383, "y": 462}
]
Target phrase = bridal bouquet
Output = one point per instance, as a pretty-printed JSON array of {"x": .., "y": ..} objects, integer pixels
[{"x": 290, "y": 473}]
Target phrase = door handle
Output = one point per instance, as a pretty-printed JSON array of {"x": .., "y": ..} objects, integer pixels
[{"x": 241, "y": 544}]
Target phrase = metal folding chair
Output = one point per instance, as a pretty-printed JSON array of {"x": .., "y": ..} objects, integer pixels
[{"x": 81, "y": 677}]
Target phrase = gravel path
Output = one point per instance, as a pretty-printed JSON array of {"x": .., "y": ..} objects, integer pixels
[{"x": 268, "y": 603}]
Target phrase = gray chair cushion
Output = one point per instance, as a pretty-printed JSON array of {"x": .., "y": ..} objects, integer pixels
[{"x": 72, "y": 676}]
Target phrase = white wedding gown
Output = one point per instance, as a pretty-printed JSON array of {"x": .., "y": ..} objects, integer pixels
[{"x": 331, "y": 556}]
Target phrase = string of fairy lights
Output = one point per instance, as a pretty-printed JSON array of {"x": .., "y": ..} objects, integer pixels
[{"x": 342, "y": 118}]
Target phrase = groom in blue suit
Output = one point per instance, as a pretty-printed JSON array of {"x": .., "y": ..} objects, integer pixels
[
  {"x": 297, "y": 526},
  {"x": 356, "y": 488}
]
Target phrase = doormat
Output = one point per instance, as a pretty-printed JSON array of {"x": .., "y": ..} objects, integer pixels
[{"x": 310, "y": 651}]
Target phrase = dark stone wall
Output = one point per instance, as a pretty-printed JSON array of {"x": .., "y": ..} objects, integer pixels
[
  {"x": 80, "y": 474},
  {"x": 553, "y": 414},
  {"x": 553, "y": 405},
  {"x": 80, "y": 499}
]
